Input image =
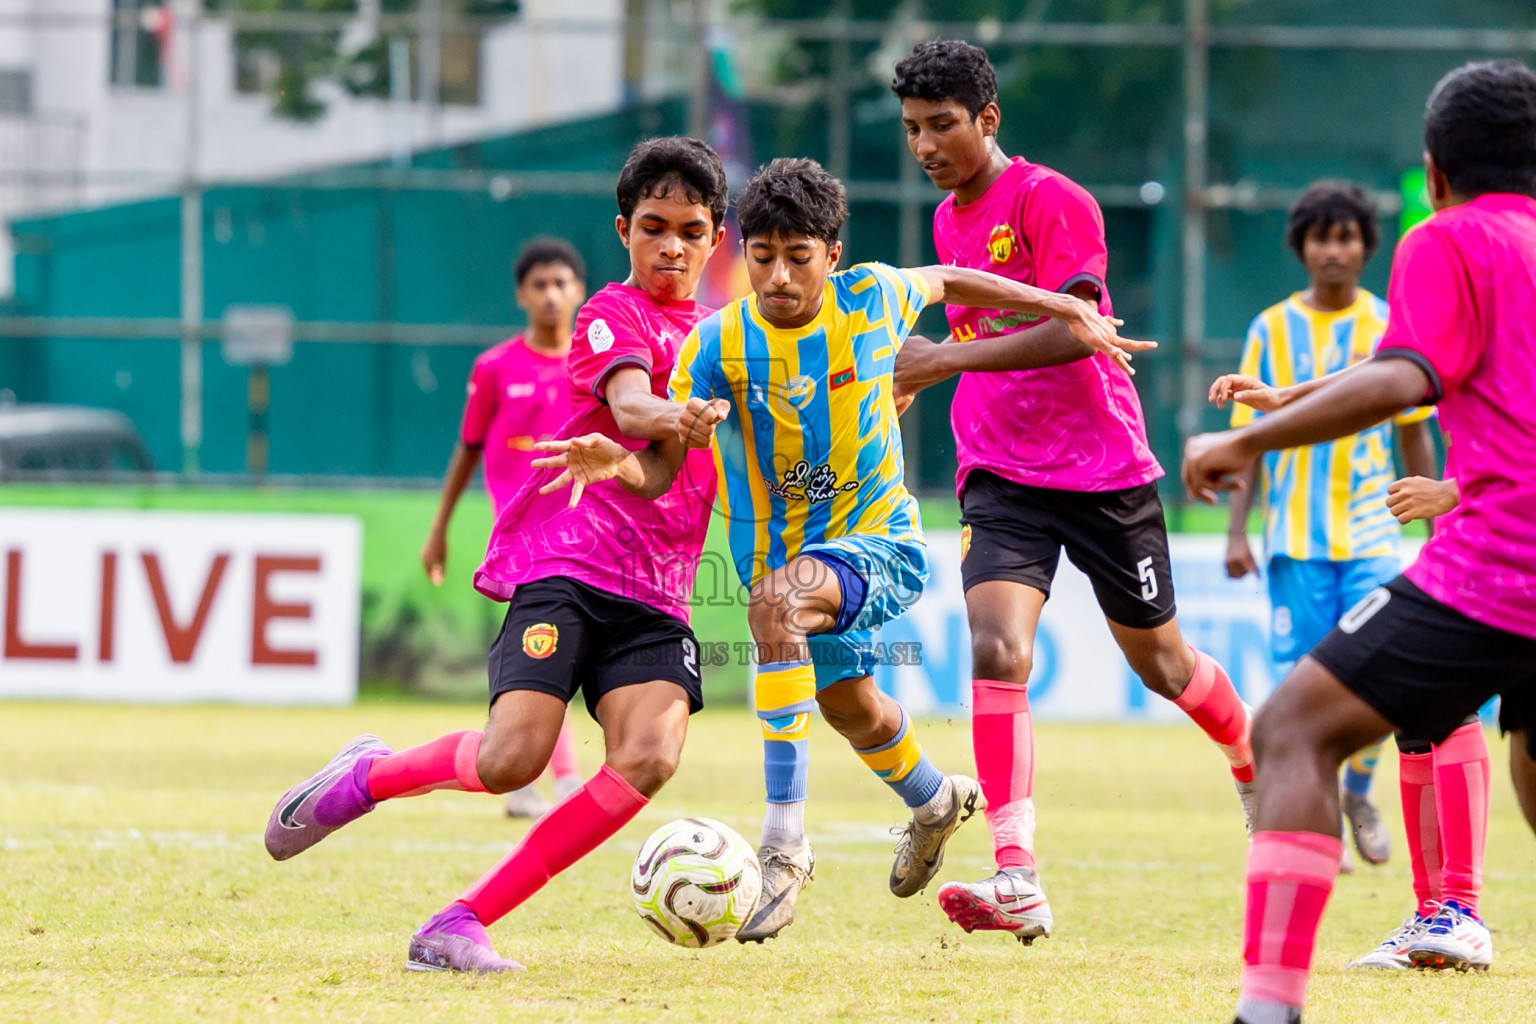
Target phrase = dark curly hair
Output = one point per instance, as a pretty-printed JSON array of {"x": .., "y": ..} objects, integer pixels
[
  {"x": 792, "y": 196},
  {"x": 947, "y": 69},
  {"x": 1327, "y": 203},
  {"x": 656, "y": 166},
  {"x": 1480, "y": 127},
  {"x": 545, "y": 250}
]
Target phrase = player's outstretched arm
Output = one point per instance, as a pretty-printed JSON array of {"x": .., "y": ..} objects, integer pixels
[
  {"x": 648, "y": 473},
  {"x": 593, "y": 458},
  {"x": 1246, "y": 390},
  {"x": 639, "y": 412},
  {"x": 962, "y": 286},
  {"x": 1348, "y": 404},
  {"x": 1254, "y": 393},
  {"x": 921, "y": 363}
]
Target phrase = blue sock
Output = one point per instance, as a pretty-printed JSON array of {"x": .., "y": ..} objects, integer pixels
[
  {"x": 901, "y": 764},
  {"x": 1360, "y": 769},
  {"x": 786, "y": 766},
  {"x": 785, "y": 693}
]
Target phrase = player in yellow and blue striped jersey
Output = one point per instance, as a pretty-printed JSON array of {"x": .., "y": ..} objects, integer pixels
[
  {"x": 822, "y": 529},
  {"x": 1328, "y": 534}
]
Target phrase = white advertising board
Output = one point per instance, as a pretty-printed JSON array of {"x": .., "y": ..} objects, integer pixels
[
  {"x": 1079, "y": 672},
  {"x": 179, "y": 606}
]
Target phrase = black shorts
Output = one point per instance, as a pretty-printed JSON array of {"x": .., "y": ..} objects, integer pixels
[
  {"x": 1117, "y": 538},
  {"x": 1517, "y": 713},
  {"x": 561, "y": 636},
  {"x": 1425, "y": 667}
]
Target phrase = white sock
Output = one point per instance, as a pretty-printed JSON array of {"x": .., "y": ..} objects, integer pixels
[
  {"x": 938, "y": 805},
  {"x": 1257, "y": 1011},
  {"x": 784, "y": 826}
]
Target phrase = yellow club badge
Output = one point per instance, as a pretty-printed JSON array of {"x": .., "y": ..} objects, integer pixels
[
  {"x": 1002, "y": 245},
  {"x": 539, "y": 640},
  {"x": 965, "y": 542}
]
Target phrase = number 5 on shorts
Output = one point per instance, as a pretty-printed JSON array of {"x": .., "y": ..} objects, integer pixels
[{"x": 1148, "y": 579}]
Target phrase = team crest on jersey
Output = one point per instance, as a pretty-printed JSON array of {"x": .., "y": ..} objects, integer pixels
[
  {"x": 799, "y": 391},
  {"x": 1002, "y": 245},
  {"x": 540, "y": 640},
  {"x": 600, "y": 335}
]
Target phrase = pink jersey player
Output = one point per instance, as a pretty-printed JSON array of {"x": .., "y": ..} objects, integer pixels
[
  {"x": 597, "y": 594},
  {"x": 517, "y": 397},
  {"x": 1074, "y": 427},
  {"x": 1470, "y": 266},
  {"x": 615, "y": 541},
  {"x": 1429, "y": 648},
  {"x": 1052, "y": 458}
]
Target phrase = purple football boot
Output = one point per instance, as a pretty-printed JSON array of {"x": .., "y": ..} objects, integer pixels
[
  {"x": 455, "y": 940},
  {"x": 330, "y": 798}
]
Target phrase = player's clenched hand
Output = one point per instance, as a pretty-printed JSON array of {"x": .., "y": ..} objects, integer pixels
[
  {"x": 585, "y": 460},
  {"x": 1239, "y": 557},
  {"x": 1246, "y": 390},
  {"x": 1211, "y": 464},
  {"x": 1418, "y": 497},
  {"x": 1097, "y": 331},
  {"x": 433, "y": 554},
  {"x": 696, "y": 425},
  {"x": 918, "y": 365}
]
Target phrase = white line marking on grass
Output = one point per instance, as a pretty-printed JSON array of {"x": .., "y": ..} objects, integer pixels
[{"x": 840, "y": 844}]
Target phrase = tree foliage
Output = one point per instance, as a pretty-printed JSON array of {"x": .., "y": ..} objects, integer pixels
[{"x": 286, "y": 64}]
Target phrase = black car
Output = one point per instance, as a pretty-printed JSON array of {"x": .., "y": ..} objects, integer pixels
[{"x": 62, "y": 442}]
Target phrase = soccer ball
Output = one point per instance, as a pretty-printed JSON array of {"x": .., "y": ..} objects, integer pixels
[{"x": 696, "y": 881}]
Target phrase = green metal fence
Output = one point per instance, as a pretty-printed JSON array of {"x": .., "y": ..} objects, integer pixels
[{"x": 398, "y": 276}]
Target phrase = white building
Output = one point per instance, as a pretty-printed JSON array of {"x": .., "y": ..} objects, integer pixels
[{"x": 92, "y": 111}]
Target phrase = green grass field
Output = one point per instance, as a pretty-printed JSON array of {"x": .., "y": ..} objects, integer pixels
[{"x": 136, "y": 888}]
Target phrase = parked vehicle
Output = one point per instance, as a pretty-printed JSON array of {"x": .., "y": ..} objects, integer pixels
[{"x": 66, "y": 442}]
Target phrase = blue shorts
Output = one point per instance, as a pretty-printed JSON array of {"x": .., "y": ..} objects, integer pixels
[
  {"x": 881, "y": 579},
  {"x": 1310, "y": 597}
]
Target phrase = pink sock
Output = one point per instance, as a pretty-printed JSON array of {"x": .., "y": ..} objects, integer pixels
[
  {"x": 563, "y": 761},
  {"x": 1416, "y": 782},
  {"x": 1212, "y": 702},
  {"x": 1290, "y": 875},
  {"x": 1461, "y": 803},
  {"x": 447, "y": 762},
  {"x": 1004, "y": 743},
  {"x": 576, "y": 826}
]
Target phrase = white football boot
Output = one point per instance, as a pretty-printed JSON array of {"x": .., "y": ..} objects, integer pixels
[
  {"x": 1010, "y": 901},
  {"x": 1392, "y": 954},
  {"x": 1453, "y": 939},
  {"x": 785, "y": 873}
]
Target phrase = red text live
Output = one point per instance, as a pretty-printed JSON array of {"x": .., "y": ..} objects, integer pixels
[{"x": 181, "y": 637}]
